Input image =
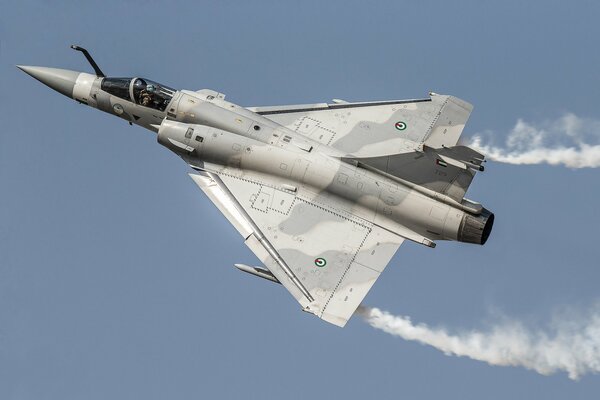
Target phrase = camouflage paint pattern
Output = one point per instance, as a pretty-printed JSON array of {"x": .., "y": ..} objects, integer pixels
[{"x": 323, "y": 194}]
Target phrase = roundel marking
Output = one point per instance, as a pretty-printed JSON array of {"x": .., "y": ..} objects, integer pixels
[
  {"x": 118, "y": 109},
  {"x": 400, "y": 125},
  {"x": 320, "y": 262}
]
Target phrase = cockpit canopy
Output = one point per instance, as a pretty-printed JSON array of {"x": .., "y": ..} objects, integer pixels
[{"x": 140, "y": 91}]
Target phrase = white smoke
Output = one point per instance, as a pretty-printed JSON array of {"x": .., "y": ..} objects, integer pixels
[
  {"x": 570, "y": 344},
  {"x": 567, "y": 141}
]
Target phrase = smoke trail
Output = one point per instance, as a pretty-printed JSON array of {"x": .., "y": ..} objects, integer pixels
[
  {"x": 573, "y": 345},
  {"x": 565, "y": 141}
]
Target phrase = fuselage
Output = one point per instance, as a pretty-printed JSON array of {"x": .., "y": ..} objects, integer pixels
[{"x": 212, "y": 134}]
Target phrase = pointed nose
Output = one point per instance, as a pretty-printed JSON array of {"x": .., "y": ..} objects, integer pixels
[{"x": 61, "y": 80}]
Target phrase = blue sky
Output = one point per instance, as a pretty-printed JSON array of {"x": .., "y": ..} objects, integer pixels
[{"x": 116, "y": 273}]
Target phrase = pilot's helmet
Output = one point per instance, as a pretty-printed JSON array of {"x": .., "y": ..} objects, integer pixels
[{"x": 151, "y": 88}]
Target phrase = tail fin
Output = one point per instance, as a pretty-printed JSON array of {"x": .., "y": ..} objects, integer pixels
[{"x": 449, "y": 123}]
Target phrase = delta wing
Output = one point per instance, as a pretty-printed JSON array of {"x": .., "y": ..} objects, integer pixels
[
  {"x": 377, "y": 128},
  {"x": 327, "y": 259}
]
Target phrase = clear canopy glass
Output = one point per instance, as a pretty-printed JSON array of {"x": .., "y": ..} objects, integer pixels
[
  {"x": 151, "y": 94},
  {"x": 145, "y": 92}
]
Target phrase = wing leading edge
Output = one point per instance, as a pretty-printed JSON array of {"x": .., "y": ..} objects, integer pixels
[{"x": 327, "y": 259}]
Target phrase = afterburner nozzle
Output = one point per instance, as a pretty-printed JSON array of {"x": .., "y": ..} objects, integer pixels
[{"x": 476, "y": 228}]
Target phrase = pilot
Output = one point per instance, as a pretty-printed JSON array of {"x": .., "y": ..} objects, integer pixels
[{"x": 147, "y": 95}]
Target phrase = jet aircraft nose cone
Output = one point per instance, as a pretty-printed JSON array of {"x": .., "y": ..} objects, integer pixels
[{"x": 61, "y": 80}]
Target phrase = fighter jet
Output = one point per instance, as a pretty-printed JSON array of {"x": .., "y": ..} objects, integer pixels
[{"x": 323, "y": 194}]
